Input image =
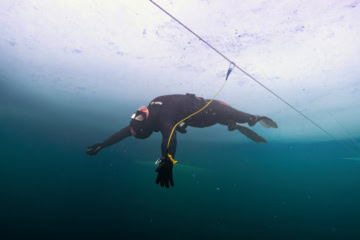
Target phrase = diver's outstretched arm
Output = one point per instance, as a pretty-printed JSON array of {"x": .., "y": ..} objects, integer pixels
[{"x": 115, "y": 138}]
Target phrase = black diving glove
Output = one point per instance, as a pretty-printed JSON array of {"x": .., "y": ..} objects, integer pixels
[
  {"x": 164, "y": 170},
  {"x": 94, "y": 149}
]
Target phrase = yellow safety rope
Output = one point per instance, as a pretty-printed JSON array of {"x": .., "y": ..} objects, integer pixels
[{"x": 193, "y": 114}]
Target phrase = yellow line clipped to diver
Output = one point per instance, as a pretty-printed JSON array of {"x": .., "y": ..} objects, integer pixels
[{"x": 172, "y": 131}]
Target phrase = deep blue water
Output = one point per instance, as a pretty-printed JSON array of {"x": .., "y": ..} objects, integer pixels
[{"x": 232, "y": 190}]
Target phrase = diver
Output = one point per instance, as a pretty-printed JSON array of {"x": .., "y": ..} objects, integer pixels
[{"x": 162, "y": 114}]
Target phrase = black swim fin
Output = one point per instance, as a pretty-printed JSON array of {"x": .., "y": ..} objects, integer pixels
[
  {"x": 267, "y": 122},
  {"x": 248, "y": 133}
]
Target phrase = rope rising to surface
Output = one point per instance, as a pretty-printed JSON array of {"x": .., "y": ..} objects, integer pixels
[{"x": 247, "y": 74}]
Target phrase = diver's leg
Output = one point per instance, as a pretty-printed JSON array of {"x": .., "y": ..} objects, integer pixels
[{"x": 225, "y": 112}]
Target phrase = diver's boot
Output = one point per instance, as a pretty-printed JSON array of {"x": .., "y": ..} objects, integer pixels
[
  {"x": 253, "y": 120},
  {"x": 265, "y": 121},
  {"x": 231, "y": 125}
]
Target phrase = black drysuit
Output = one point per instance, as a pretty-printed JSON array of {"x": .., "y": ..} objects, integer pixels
[{"x": 166, "y": 111}]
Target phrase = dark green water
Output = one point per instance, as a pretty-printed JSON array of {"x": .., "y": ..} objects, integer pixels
[{"x": 51, "y": 189}]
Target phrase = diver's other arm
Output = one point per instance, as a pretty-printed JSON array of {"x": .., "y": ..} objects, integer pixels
[
  {"x": 165, "y": 164},
  {"x": 172, "y": 147},
  {"x": 117, "y": 137}
]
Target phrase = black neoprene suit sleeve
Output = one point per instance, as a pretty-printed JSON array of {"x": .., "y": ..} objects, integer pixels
[
  {"x": 117, "y": 137},
  {"x": 165, "y": 131}
]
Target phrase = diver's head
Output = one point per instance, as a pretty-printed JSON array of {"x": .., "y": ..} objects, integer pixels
[{"x": 139, "y": 125}]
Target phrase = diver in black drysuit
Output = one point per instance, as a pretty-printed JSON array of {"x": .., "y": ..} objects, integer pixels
[{"x": 165, "y": 111}]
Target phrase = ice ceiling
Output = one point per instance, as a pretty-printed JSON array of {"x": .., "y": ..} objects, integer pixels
[{"x": 308, "y": 52}]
